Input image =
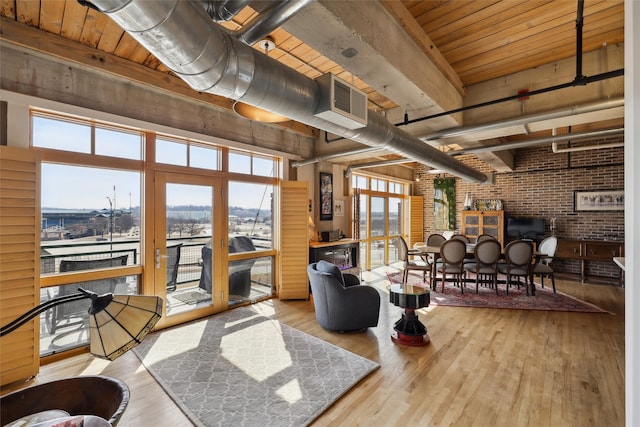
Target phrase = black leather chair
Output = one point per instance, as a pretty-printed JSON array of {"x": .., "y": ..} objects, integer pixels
[
  {"x": 518, "y": 254},
  {"x": 239, "y": 271},
  {"x": 76, "y": 312},
  {"x": 341, "y": 302},
  {"x": 487, "y": 253},
  {"x": 173, "y": 262}
]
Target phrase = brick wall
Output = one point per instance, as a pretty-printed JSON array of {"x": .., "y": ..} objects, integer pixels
[{"x": 542, "y": 185}]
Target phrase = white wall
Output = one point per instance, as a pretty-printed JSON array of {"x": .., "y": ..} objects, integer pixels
[{"x": 632, "y": 209}]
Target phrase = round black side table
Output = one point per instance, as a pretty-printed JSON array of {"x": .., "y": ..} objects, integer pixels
[{"x": 409, "y": 330}]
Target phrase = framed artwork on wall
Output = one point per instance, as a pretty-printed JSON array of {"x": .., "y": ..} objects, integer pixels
[
  {"x": 598, "y": 200},
  {"x": 326, "y": 196},
  {"x": 338, "y": 208}
]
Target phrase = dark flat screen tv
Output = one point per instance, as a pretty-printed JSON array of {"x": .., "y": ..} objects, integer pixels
[{"x": 525, "y": 228}]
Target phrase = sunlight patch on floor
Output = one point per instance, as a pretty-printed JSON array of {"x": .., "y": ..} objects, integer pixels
[{"x": 259, "y": 350}]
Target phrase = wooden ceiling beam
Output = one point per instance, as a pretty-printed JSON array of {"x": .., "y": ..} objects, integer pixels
[{"x": 31, "y": 38}]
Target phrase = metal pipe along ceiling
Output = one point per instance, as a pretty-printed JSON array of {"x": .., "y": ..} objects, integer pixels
[
  {"x": 347, "y": 173},
  {"x": 322, "y": 157},
  {"x": 530, "y": 118},
  {"x": 543, "y": 141},
  {"x": 500, "y": 124},
  {"x": 185, "y": 39}
]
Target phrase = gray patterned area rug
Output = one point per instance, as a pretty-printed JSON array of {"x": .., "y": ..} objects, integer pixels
[{"x": 241, "y": 368}]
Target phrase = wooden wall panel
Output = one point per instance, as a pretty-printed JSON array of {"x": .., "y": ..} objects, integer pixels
[
  {"x": 19, "y": 260},
  {"x": 416, "y": 216},
  {"x": 294, "y": 245}
]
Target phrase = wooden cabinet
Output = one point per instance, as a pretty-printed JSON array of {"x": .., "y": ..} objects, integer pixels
[
  {"x": 475, "y": 223},
  {"x": 571, "y": 249},
  {"x": 589, "y": 250}
]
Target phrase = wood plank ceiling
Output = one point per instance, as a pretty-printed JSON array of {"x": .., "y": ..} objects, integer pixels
[
  {"x": 480, "y": 39},
  {"x": 484, "y": 40},
  {"x": 469, "y": 41}
]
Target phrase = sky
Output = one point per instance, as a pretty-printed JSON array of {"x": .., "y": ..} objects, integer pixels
[{"x": 74, "y": 187}]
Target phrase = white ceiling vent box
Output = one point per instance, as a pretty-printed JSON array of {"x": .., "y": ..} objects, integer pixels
[{"x": 341, "y": 103}]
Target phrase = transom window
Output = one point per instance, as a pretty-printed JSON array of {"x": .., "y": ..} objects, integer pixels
[
  {"x": 88, "y": 137},
  {"x": 253, "y": 164},
  {"x": 184, "y": 152}
]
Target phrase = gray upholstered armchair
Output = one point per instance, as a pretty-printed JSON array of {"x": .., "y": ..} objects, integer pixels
[{"x": 341, "y": 303}]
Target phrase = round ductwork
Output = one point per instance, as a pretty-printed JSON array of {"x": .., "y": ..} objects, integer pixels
[{"x": 258, "y": 114}]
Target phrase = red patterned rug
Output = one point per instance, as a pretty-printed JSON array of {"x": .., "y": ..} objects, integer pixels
[{"x": 486, "y": 297}]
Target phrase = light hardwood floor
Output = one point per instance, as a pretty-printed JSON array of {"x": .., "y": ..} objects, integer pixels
[{"x": 483, "y": 367}]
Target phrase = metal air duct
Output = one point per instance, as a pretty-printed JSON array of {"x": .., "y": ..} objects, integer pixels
[
  {"x": 182, "y": 36},
  {"x": 268, "y": 20},
  {"x": 224, "y": 10}
]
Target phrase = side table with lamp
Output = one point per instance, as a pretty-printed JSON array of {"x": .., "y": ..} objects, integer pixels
[{"x": 117, "y": 323}]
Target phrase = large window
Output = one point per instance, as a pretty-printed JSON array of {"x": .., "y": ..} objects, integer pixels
[
  {"x": 94, "y": 223},
  {"x": 90, "y": 220},
  {"x": 250, "y": 234},
  {"x": 88, "y": 213}
]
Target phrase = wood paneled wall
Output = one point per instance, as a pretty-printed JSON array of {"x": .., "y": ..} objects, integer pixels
[
  {"x": 294, "y": 246},
  {"x": 19, "y": 255},
  {"x": 416, "y": 220}
]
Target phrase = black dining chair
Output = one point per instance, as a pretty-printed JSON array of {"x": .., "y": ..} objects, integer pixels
[
  {"x": 542, "y": 268},
  {"x": 482, "y": 237},
  {"x": 409, "y": 263},
  {"x": 461, "y": 237},
  {"x": 76, "y": 312},
  {"x": 451, "y": 262},
  {"x": 486, "y": 253},
  {"x": 518, "y": 255}
]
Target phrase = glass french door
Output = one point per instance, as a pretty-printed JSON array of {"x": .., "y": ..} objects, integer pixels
[
  {"x": 187, "y": 259},
  {"x": 381, "y": 222}
]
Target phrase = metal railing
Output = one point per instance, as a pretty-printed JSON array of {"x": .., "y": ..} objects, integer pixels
[{"x": 189, "y": 267}]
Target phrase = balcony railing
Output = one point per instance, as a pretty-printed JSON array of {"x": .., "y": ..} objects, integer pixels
[{"x": 189, "y": 267}]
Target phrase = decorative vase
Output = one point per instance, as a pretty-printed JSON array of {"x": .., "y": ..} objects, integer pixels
[{"x": 468, "y": 201}]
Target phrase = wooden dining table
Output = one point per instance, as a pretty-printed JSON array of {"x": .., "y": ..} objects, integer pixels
[{"x": 434, "y": 251}]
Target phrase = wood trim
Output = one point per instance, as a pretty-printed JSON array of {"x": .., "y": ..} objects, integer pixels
[{"x": 20, "y": 254}]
